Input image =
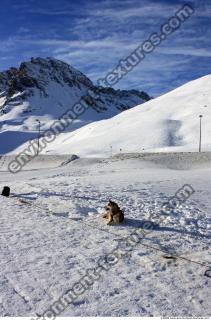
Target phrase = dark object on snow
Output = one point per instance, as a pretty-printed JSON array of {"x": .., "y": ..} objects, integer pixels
[
  {"x": 208, "y": 273},
  {"x": 169, "y": 257},
  {"x": 6, "y": 192}
]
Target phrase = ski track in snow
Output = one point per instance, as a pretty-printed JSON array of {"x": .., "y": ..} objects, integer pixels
[{"x": 47, "y": 246}]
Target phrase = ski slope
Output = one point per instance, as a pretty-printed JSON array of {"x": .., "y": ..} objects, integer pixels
[
  {"x": 49, "y": 243},
  {"x": 168, "y": 123}
]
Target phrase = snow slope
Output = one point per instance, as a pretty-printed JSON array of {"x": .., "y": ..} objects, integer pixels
[
  {"x": 167, "y": 123},
  {"x": 47, "y": 245},
  {"x": 46, "y": 88}
]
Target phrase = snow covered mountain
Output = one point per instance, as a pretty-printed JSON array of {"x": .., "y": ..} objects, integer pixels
[
  {"x": 44, "y": 89},
  {"x": 167, "y": 123}
]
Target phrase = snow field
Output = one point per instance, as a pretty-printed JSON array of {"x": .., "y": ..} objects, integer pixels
[{"x": 48, "y": 246}]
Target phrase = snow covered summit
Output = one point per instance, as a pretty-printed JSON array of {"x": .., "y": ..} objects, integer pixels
[{"x": 44, "y": 89}]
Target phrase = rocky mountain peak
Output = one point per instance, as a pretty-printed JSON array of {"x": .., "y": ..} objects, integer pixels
[
  {"x": 44, "y": 89},
  {"x": 47, "y": 87},
  {"x": 38, "y": 73}
]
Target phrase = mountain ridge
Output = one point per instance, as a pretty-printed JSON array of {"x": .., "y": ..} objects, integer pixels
[
  {"x": 38, "y": 72},
  {"x": 44, "y": 89}
]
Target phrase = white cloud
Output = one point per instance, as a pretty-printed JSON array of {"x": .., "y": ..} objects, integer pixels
[{"x": 186, "y": 51}]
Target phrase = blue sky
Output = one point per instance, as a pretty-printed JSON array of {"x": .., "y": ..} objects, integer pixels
[{"x": 93, "y": 35}]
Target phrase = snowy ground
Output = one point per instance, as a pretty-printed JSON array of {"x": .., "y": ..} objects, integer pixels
[{"x": 47, "y": 246}]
